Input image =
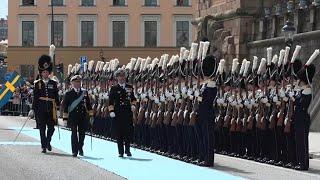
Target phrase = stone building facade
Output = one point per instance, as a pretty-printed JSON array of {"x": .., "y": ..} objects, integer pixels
[{"x": 244, "y": 28}]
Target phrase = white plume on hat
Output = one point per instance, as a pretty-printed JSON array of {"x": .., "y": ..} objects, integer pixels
[
  {"x": 90, "y": 66},
  {"x": 137, "y": 64},
  {"x": 254, "y": 63},
  {"x": 242, "y": 66},
  {"x": 200, "y": 49},
  {"x": 105, "y": 67},
  {"x": 52, "y": 51},
  {"x": 281, "y": 56},
  {"x": 85, "y": 67},
  {"x": 97, "y": 66},
  {"x": 185, "y": 54},
  {"x": 101, "y": 66},
  {"x": 193, "y": 51},
  {"x": 205, "y": 49},
  {"x": 313, "y": 57},
  {"x": 295, "y": 53},
  {"x": 269, "y": 55},
  {"x": 234, "y": 65},
  {"x": 246, "y": 68},
  {"x": 221, "y": 66},
  {"x": 262, "y": 66},
  {"x": 133, "y": 63},
  {"x": 182, "y": 50},
  {"x": 286, "y": 55},
  {"x": 69, "y": 68},
  {"x": 275, "y": 59}
]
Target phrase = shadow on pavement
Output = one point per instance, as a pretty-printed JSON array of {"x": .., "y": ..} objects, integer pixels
[
  {"x": 229, "y": 169},
  {"x": 137, "y": 159},
  {"x": 91, "y": 158},
  {"x": 58, "y": 154}
]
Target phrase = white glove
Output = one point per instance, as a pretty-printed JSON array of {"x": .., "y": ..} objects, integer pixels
[
  {"x": 275, "y": 99},
  {"x": 291, "y": 94},
  {"x": 162, "y": 98},
  {"x": 156, "y": 100},
  {"x": 264, "y": 100},
  {"x": 177, "y": 96},
  {"x": 246, "y": 103},
  {"x": 133, "y": 108},
  {"x": 197, "y": 93},
  {"x": 183, "y": 90},
  {"x": 282, "y": 94},
  {"x": 31, "y": 114},
  {"x": 112, "y": 115},
  {"x": 230, "y": 99},
  {"x": 285, "y": 99},
  {"x": 190, "y": 92},
  {"x": 150, "y": 94},
  {"x": 143, "y": 96}
]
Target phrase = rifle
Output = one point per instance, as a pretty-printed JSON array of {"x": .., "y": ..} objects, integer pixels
[
  {"x": 196, "y": 102},
  {"x": 274, "y": 113},
  {"x": 282, "y": 109},
  {"x": 183, "y": 102},
  {"x": 178, "y": 101},
  {"x": 263, "y": 120},
  {"x": 288, "y": 119},
  {"x": 252, "y": 113}
]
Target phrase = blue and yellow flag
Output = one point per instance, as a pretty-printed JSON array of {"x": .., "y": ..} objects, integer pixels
[{"x": 9, "y": 88}]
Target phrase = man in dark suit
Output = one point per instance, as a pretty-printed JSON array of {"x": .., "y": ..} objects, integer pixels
[
  {"x": 121, "y": 104},
  {"x": 77, "y": 111},
  {"x": 45, "y": 102}
]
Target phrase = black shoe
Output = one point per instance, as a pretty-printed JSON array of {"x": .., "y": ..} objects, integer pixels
[
  {"x": 74, "y": 154},
  {"x": 49, "y": 147},
  {"x": 280, "y": 163},
  {"x": 121, "y": 155},
  {"x": 128, "y": 153},
  {"x": 44, "y": 150},
  {"x": 80, "y": 152},
  {"x": 35, "y": 128},
  {"x": 298, "y": 167}
]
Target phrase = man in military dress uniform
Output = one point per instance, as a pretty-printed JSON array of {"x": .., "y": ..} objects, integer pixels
[
  {"x": 121, "y": 104},
  {"x": 77, "y": 111},
  {"x": 45, "y": 102}
]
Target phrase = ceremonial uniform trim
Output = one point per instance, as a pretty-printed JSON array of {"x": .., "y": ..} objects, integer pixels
[{"x": 90, "y": 113}]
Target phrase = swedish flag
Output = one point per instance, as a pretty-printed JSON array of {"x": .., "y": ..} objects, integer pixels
[{"x": 9, "y": 87}]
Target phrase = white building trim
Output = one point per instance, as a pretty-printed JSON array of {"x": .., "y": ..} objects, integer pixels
[
  {"x": 33, "y": 18},
  {"x": 58, "y": 18},
  {"x": 150, "y": 18},
  {"x": 174, "y": 31},
  {"x": 88, "y": 18},
  {"x": 112, "y": 18}
]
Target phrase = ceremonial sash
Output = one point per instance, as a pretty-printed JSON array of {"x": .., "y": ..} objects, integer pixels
[
  {"x": 75, "y": 103},
  {"x": 54, "y": 106}
]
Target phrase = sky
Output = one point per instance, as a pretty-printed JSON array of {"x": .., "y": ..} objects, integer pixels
[{"x": 3, "y": 8}]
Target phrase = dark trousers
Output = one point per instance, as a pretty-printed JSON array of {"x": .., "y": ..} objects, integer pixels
[
  {"x": 208, "y": 140},
  {"x": 291, "y": 146},
  {"x": 302, "y": 146},
  {"x": 77, "y": 136},
  {"x": 45, "y": 123},
  {"x": 123, "y": 140}
]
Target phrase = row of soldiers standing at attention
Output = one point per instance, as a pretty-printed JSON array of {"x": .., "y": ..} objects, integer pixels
[{"x": 191, "y": 105}]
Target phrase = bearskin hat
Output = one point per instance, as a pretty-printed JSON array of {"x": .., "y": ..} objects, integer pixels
[{"x": 45, "y": 64}]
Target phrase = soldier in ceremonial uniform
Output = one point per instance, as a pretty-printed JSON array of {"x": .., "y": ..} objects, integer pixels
[
  {"x": 45, "y": 102},
  {"x": 121, "y": 104},
  {"x": 302, "y": 117},
  {"x": 77, "y": 111},
  {"x": 206, "y": 112}
]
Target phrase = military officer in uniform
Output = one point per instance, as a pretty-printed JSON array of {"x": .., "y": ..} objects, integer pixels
[
  {"x": 45, "y": 102},
  {"x": 121, "y": 104},
  {"x": 77, "y": 112}
]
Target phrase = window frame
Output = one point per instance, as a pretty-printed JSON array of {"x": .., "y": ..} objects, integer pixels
[
  {"x": 93, "y": 5},
  {"x": 34, "y": 4},
  {"x": 28, "y": 18},
  {"x": 112, "y": 18},
  {"x": 125, "y": 4},
  {"x": 145, "y": 5},
  {"x": 177, "y": 18},
  {"x": 156, "y": 18},
  {"x": 58, "y": 18},
  {"x": 176, "y": 4},
  {"x": 63, "y": 3},
  {"x": 92, "y": 17}
]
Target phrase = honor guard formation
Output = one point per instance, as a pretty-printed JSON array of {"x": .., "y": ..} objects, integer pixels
[{"x": 187, "y": 106}]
